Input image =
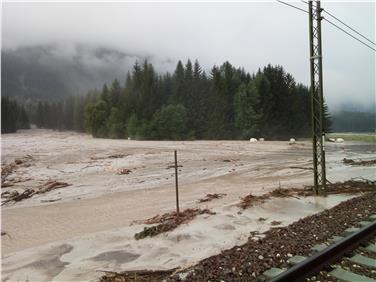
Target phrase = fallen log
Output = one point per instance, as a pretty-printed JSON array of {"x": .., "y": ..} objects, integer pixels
[
  {"x": 51, "y": 185},
  {"x": 28, "y": 193}
]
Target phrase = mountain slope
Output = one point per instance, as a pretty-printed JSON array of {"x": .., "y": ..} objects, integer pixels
[{"x": 50, "y": 72}]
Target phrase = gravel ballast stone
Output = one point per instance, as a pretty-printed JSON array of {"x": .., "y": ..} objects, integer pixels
[{"x": 250, "y": 260}]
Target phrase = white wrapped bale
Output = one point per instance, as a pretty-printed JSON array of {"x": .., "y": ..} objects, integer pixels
[
  {"x": 253, "y": 140},
  {"x": 261, "y": 139},
  {"x": 292, "y": 141},
  {"x": 339, "y": 140}
]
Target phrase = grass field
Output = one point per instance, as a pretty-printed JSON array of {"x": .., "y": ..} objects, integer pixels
[{"x": 349, "y": 136}]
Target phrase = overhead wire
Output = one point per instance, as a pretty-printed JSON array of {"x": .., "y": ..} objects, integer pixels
[
  {"x": 365, "y": 44},
  {"x": 341, "y": 29},
  {"x": 292, "y": 6},
  {"x": 349, "y": 27}
]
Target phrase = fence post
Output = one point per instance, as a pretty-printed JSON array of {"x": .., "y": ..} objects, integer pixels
[{"x": 176, "y": 185}]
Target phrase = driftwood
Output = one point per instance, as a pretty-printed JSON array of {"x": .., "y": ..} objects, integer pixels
[
  {"x": 250, "y": 200},
  {"x": 359, "y": 163},
  {"x": 136, "y": 275},
  {"x": 51, "y": 185},
  {"x": 210, "y": 197},
  {"x": 354, "y": 185},
  {"x": 301, "y": 167},
  {"x": 169, "y": 221},
  {"x": 115, "y": 156},
  {"x": 124, "y": 171},
  {"x": 173, "y": 166},
  {"x": 8, "y": 169},
  {"x": 28, "y": 193},
  {"x": 230, "y": 160},
  {"x": 51, "y": 200},
  {"x": 280, "y": 192}
]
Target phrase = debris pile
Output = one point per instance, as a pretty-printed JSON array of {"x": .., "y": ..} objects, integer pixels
[
  {"x": 8, "y": 169},
  {"x": 284, "y": 192},
  {"x": 210, "y": 197},
  {"x": 124, "y": 171},
  {"x": 168, "y": 222},
  {"x": 250, "y": 200},
  {"x": 352, "y": 186},
  {"x": 115, "y": 156},
  {"x": 15, "y": 196},
  {"x": 359, "y": 163}
]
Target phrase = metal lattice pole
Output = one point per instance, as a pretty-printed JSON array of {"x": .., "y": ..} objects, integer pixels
[{"x": 317, "y": 102}]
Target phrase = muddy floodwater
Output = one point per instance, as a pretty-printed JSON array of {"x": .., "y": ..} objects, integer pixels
[{"x": 69, "y": 233}]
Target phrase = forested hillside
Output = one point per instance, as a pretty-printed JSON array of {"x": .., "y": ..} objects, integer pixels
[
  {"x": 13, "y": 116},
  {"x": 227, "y": 103},
  {"x": 51, "y": 72},
  {"x": 352, "y": 121}
]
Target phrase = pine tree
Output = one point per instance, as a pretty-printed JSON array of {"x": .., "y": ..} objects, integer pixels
[{"x": 247, "y": 107}]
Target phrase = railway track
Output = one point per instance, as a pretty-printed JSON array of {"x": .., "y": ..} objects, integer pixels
[{"x": 356, "y": 250}]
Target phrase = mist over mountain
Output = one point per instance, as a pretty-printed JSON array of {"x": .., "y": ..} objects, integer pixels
[{"x": 52, "y": 72}]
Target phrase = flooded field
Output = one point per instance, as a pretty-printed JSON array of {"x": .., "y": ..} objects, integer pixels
[{"x": 69, "y": 233}]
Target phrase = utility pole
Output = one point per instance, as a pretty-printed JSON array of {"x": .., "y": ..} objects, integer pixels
[
  {"x": 317, "y": 98},
  {"x": 176, "y": 184}
]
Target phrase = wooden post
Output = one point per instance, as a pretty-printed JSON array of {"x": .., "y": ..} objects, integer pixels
[{"x": 176, "y": 185}]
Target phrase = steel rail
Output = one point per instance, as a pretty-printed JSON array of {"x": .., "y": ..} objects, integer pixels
[{"x": 329, "y": 255}]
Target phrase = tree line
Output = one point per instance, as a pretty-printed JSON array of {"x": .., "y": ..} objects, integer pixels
[
  {"x": 13, "y": 116},
  {"x": 227, "y": 103}
]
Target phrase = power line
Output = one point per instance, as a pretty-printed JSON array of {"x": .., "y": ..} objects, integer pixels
[
  {"x": 350, "y": 34},
  {"x": 293, "y": 6},
  {"x": 348, "y": 26},
  {"x": 342, "y": 22},
  {"x": 335, "y": 24}
]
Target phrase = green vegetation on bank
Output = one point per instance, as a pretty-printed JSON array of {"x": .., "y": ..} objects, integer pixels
[{"x": 359, "y": 137}]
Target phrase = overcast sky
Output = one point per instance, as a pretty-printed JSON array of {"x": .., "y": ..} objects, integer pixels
[{"x": 249, "y": 35}]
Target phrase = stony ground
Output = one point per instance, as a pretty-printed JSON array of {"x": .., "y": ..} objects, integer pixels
[{"x": 246, "y": 262}]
